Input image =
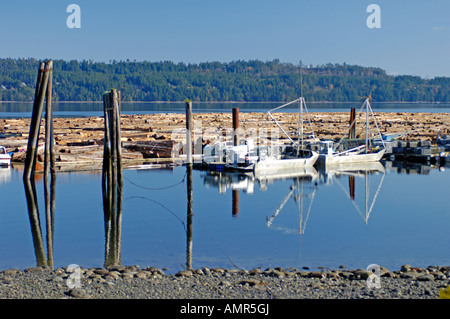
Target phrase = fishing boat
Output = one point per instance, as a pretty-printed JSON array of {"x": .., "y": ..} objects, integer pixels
[
  {"x": 330, "y": 155},
  {"x": 248, "y": 157},
  {"x": 5, "y": 158}
]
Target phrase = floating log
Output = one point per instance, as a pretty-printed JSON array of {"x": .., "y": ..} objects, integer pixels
[{"x": 151, "y": 149}]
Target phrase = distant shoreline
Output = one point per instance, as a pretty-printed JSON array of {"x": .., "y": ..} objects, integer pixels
[{"x": 235, "y": 102}]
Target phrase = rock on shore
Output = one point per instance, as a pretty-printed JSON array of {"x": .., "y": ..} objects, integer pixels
[{"x": 132, "y": 282}]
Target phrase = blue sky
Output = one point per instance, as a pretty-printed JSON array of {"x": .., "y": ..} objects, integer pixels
[{"x": 414, "y": 37}]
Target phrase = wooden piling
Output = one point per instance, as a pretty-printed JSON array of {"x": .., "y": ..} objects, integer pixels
[
  {"x": 33, "y": 137},
  {"x": 189, "y": 131},
  {"x": 352, "y": 124},
  {"x": 189, "y": 168},
  {"x": 112, "y": 181},
  {"x": 49, "y": 158},
  {"x": 236, "y": 138}
]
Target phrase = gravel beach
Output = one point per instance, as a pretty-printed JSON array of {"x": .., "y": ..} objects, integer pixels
[{"x": 132, "y": 282}]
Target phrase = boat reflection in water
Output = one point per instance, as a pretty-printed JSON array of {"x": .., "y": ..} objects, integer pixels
[
  {"x": 5, "y": 175},
  {"x": 334, "y": 173},
  {"x": 303, "y": 190},
  {"x": 247, "y": 181}
]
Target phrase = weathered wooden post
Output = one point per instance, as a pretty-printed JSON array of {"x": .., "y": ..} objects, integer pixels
[
  {"x": 112, "y": 181},
  {"x": 33, "y": 137},
  {"x": 188, "y": 131},
  {"x": 352, "y": 130},
  {"x": 49, "y": 157},
  {"x": 236, "y": 135},
  {"x": 107, "y": 166}
]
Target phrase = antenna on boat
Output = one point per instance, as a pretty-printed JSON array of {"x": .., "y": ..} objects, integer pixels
[
  {"x": 367, "y": 123},
  {"x": 301, "y": 79},
  {"x": 302, "y": 108},
  {"x": 300, "y": 120}
]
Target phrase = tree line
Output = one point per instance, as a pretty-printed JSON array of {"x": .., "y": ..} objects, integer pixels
[{"x": 244, "y": 81}]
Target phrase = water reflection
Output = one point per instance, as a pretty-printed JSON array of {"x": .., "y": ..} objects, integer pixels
[
  {"x": 303, "y": 204},
  {"x": 190, "y": 213},
  {"x": 353, "y": 172},
  {"x": 303, "y": 189},
  {"x": 112, "y": 190},
  {"x": 302, "y": 192},
  {"x": 5, "y": 175},
  {"x": 33, "y": 212}
]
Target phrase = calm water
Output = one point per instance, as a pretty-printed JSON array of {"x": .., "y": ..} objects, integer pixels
[
  {"x": 96, "y": 109},
  {"x": 390, "y": 216},
  {"x": 309, "y": 220}
]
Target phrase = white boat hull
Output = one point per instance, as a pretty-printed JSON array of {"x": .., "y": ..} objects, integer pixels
[
  {"x": 286, "y": 163},
  {"x": 277, "y": 174},
  {"x": 326, "y": 159},
  {"x": 5, "y": 160}
]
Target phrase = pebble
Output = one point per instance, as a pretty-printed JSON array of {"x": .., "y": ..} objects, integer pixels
[
  {"x": 184, "y": 273},
  {"x": 426, "y": 277},
  {"x": 11, "y": 272},
  {"x": 78, "y": 293}
]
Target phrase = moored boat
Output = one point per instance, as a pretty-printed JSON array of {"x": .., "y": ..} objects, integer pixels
[
  {"x": 249, "y": 157},
  {"x": 329, "y": 155},
  {"x": 5, "y": 158}
]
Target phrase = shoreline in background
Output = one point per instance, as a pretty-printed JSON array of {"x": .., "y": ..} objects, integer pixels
[{"x": 238, "y": 102}]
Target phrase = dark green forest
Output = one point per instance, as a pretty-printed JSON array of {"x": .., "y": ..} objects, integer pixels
[{"x": 244, "y": 81}]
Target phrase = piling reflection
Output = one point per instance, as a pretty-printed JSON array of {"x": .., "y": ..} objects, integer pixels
[
  {"x": 33, "y": 212},
  {"x": 49, "y": 194},
  {"x": 112, "y": 208},
  {"x": 189, "y": 240}
]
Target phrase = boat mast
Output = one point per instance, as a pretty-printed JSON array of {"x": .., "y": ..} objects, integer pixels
[
  {"x": 300, "y": 133},
  {"x": 367, "y": 124},
  {"x": 300, "y": 121}
]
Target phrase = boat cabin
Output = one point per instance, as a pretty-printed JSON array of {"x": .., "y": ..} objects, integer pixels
[{"x": 326, "y": 147}]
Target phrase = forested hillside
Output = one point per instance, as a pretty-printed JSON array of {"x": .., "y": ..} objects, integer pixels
[{"x": 251, "y": 81}]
